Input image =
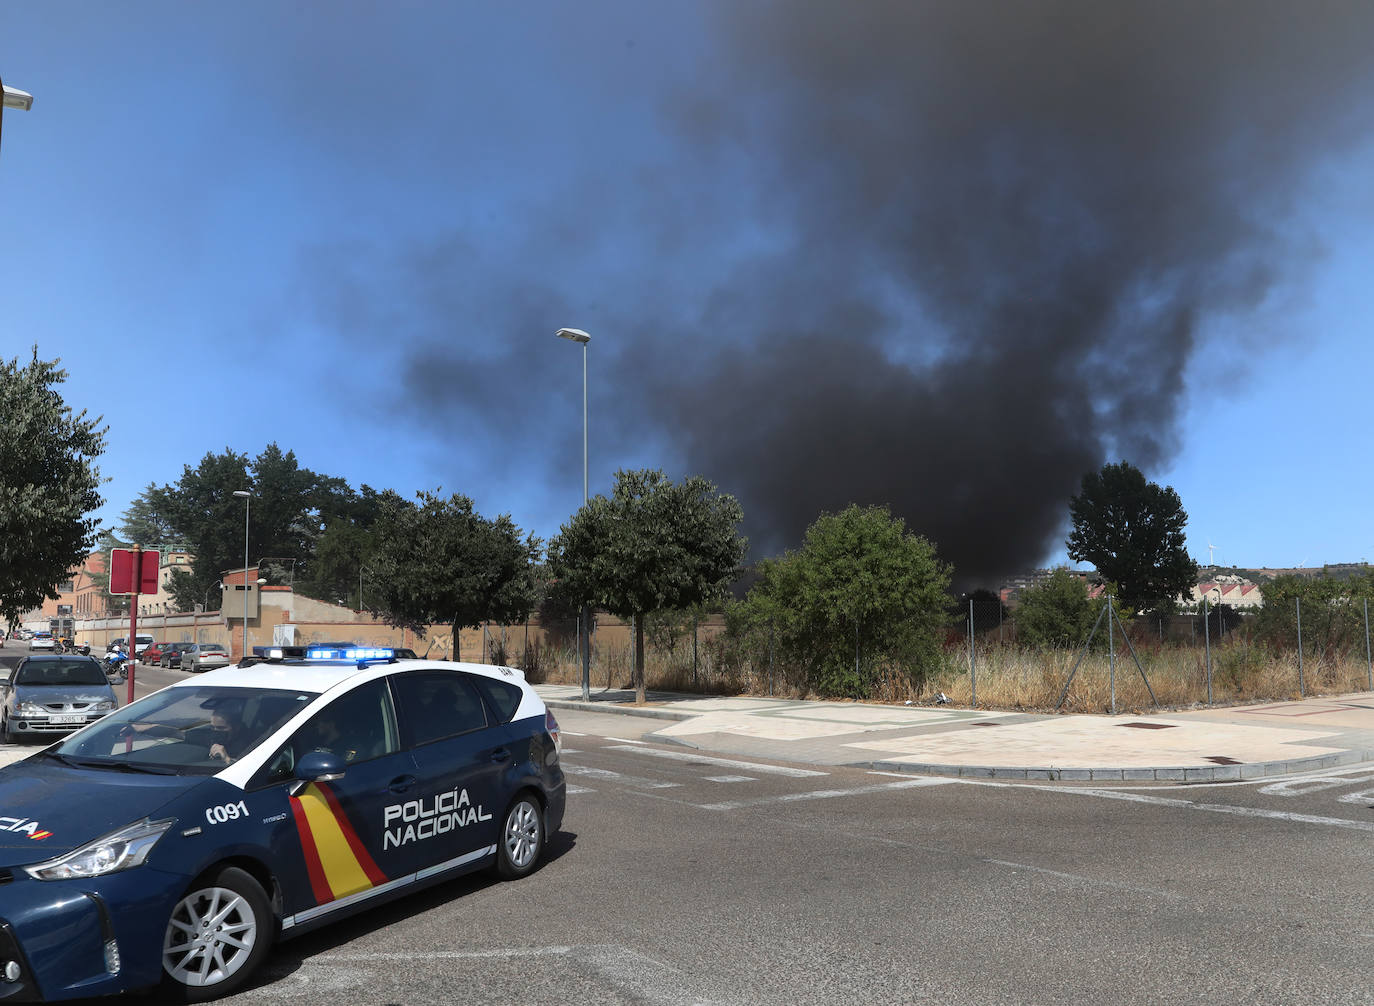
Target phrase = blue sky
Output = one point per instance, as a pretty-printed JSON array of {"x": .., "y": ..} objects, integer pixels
[{"x": 353, "y": 228}]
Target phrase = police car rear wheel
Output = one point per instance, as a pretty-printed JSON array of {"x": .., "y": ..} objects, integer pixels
[
  {"x": 522, "y": 838},
  {"x": 218, "y": 934}
]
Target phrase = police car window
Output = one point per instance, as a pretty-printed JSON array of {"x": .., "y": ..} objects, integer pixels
[
  {"x": 439, "y": 704},
  {"x": 503, "y": 697},
  {"x": 357, "y": 726}
]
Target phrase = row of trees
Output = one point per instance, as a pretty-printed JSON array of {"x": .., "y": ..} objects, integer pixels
[{"x": 861, "y": 597}]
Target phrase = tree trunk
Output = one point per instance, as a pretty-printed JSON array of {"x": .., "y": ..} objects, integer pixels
[{"x": 639, "y": 660}]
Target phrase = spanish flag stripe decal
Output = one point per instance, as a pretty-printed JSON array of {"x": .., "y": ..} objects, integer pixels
[
  {"x": 342, "y": 871},
  {"x": 360, "y": 852},
  {"x": 318, "y": 884}
]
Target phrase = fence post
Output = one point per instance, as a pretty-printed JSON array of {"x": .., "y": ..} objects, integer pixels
[
  {"x": 1302, "y": 690},
  {"x": 694, "y": 647},
  {"x": 972, "y": 657},
  {"x": 1207, "y": 640},
  {"x": 1111, "y": 649},
  {"x": 770, "y": 656},
  {"x": 1368, "y": 660}
]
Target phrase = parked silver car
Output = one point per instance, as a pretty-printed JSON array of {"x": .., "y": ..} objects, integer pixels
[
  {"x": 204, "y": 657},
  {"x": 50, "y": 694}
]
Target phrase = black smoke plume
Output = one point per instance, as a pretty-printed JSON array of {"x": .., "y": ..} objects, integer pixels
[{"x": 942, "y": 256}]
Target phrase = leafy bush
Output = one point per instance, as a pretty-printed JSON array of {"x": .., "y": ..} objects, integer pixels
[
  {"x": 1056, "y": 613},
  {"x": 861, "y": 600}
]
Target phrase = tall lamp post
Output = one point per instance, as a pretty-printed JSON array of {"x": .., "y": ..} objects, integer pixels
[
  {"x": 247, "y": 505},
  {"x": 577, "y": 335},
  {"x": 12, "y": 97}
]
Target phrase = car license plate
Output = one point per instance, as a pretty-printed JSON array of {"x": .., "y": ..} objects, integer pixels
[{"x": 66, "y": 718}]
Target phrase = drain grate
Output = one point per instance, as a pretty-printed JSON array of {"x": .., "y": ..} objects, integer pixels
[
  {"x": 1222, "y": 760},
  {"x": 1149, "y": 726},
  {"x": 984, "y": 723}
]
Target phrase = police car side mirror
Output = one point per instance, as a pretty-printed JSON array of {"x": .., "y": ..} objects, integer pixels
[{"x": 320, "y": 766}]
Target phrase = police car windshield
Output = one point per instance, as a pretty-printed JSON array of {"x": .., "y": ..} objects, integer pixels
[{"x": 196, "y": 730}]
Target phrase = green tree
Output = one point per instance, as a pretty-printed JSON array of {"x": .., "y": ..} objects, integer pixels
[
  {"x": 143, "y": 523},
  {"x": 1056, "y": 613},
  {"x": 48, "y": 482},
  {"x": 202, "y": 505},
  {"x": 652, "y": 544},
  {"x": 860, "y": 597},
  {"x": 1132, "y": 531},
  {"x": 140, "y": 524},
  {"x": 1332, "y": 612},
  {"x": 441, "y": 561},
  {"x": 288, "y": 506},
  {"x": 342, "y": 550}
]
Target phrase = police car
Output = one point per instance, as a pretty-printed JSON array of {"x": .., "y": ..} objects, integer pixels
[{"x": 172, "y": 842}]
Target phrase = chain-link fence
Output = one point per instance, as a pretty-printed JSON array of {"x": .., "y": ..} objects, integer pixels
[
  {"x": 1215, "y": 654},
  {"x": 1293, "y": 647}
]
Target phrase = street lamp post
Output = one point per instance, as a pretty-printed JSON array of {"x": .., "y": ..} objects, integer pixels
[
  {"x": 12, "y": 97},
  {"x": 247, "y": 505},
  {"x": 577, "y": 335}
]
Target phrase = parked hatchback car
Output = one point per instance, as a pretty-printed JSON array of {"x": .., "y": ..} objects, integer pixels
[
  {"x": 52, "y": 693},
  {"x": 204, "y": 656},
  {"x": 171, "y": 654},
  {"x": 42, "y": 641}
]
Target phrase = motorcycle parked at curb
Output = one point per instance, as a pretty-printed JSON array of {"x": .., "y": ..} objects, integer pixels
[{"x": 116, "y": 666}]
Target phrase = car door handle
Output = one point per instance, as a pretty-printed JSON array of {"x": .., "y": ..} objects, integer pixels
[
  {"x": 500, "y": 755},
  {"x": 401, "y": 783}
]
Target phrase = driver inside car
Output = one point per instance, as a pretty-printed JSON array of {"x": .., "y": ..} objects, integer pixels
[{"x": 231, "y": 739}]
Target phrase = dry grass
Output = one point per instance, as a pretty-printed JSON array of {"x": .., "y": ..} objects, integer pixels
[
  {"x": 1011, "y": 678},
  {"x": 1018, "y": 679}
]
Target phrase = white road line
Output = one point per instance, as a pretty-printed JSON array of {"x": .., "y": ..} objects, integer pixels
[
  {"x": 796, "y": 773},
  {"x": 578, "y": 789},
  {"x": 569, "y": 733},
  {"x": 445, "y": 955},
  {"x": 730, "y": 778},
  {"x": 568, "y": 751},
  {"x": 826, "y": 794},
  {"x": 625, "y": 740},
  {"x": 1164, "y": 801},
  {"x": 1079, "y": 878},
  {"x": 628, "y": 780}
]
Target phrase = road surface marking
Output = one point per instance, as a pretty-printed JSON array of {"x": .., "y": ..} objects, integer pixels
[
  {"x": 826, "y": 794},
  {"x": 796, "y": 773}
]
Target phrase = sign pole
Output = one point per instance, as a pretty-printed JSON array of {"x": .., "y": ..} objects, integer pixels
[{"x": 133, "y": 616}]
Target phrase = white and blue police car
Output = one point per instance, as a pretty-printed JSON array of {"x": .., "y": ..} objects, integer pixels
[{"x": 174, "y": 841}]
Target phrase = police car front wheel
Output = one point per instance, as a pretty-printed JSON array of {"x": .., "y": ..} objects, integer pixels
[
  {"x": 216, "y": 937},
  {"x": 522, "y": 838}
]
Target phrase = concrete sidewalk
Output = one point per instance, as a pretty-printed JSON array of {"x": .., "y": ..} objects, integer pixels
[{"x": 1216, "y": 744}]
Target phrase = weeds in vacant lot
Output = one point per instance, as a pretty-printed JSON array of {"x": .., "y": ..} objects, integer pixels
[{"x": 1009, "y": 677}]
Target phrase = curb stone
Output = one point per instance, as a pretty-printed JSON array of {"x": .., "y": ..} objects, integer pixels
[{"x": 613, "y": 707}]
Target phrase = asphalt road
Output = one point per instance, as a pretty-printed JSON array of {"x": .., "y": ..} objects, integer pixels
[{"x": 683, "y": 877}]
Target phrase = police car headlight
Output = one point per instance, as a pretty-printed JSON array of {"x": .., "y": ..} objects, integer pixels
[
  {"x": 29, "y": 709},
  {"x": 120, "y": 850}
]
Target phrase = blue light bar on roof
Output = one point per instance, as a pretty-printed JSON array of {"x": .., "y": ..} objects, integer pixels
[{"x": 352, "y": 653}]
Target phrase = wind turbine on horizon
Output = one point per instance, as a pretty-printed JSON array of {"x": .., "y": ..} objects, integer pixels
[{"x": 1211, "y": 554}]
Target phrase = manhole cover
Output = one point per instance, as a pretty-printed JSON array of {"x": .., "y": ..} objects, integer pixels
[
  {"x": 1149, "y": 726},
  {"x": 984, "y": 723}
]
